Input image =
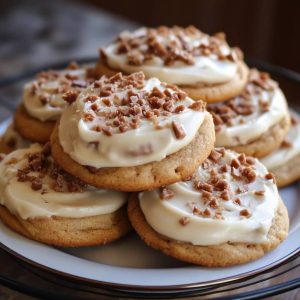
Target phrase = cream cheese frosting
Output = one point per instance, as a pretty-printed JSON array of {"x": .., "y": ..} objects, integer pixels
[
  {"x": 184, "y": 56},
  {"x": 246, "y": 117},
  {"x": 289, "y": 149},
  {"x": 230, "y": 198},
  {"x": 43, "y": 97},
  {"x": 29, "y": 197},
  {"x": 128, "y": 125},
  {"x": 13, "y": 139}
]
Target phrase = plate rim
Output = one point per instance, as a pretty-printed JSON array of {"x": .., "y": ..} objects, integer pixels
[{"x": 153, "y": 288}]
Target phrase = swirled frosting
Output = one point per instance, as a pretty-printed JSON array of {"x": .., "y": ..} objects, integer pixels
[
  {"x": 32, "y": 186},
  {"x": 184, "y": 56},
  {"x": 246, "y": 117},
  {"x": 43, "y": 97},
  {"x": 127, "y": 121},
  {"x": 231, "y": 198},
  {"x": 289, "y": 148}
]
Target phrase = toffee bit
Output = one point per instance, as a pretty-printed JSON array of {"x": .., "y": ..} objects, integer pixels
[
  {"x": 214, "y": 156},
  {"x": 213, "y": 204},
  {"x": 245, "y": 213},
  {"x": 179, "y": 109},
  {"x": 259, "y": 193},
  {"x": 184, "y": 221},
  {"x": 235, "y": 163},
  {"x": 242, "y": 158},
  {"x": 197, "y": 210},
  {"x": 70, "y": 96},
  {"x": 197, "y": 105},
  {"x": 286, "y": 144},
  {"x": 225, "y": 195},
  {"x": 206, "y": 195},
  {"x": 221, "y": 185},
  {"x": 198, "y": 185},
  {"x": 249, "y": 174},
  {"x": 237, "y": 201},
  {"x": 206, "y": 213},
  {"x": 178, "y": 130},
  {"x": 224, "y": 168},
  {"x": 166, "y": 194},
  {"x": 270, "y": 176},
  {"x": 36, "y": 184}
]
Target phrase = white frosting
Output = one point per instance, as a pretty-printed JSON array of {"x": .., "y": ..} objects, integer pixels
[
  {"x": 25, "y": 202},
  {"x": 255, "y": 124},
  {"x": 53, "y": 89},
  {"x": 13, "y": 139},
  {"x": 282, "y": 155},
  {"x": 207, "y": 69},
  {"x": 164, "y": 215},
  {"x": 131, "y": 148}
]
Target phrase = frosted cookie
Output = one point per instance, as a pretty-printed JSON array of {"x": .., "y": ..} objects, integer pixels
[
  {"x": 254, "y": 123},
  {"x": 284, "y": 162},
  {"x": 11, "y": 140},
  {"x": 45, "y": 98},
  {"x": 131, "y": 134},
  {"x": 202, "y": 65},
  {"x": 44, "y": 203},
  {"x": 228, "y": 213}
]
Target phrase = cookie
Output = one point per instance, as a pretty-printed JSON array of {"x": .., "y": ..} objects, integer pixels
[
  {"x": 255, "y": 122},
  {"x": 229, "y": 213},
  {"x": 45, "y": 98},
  {"x": 138, "y": 134},
  {"x": 44, "y": 203},
  {"x": 203, "y": 66},
  {"x": 11, "y": 140},
  {"x": 284, "y": 162}
]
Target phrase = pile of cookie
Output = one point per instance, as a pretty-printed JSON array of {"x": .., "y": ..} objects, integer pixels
[{"x": 163, "y": 135}]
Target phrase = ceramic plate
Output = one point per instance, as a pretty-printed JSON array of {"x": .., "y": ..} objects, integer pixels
[{"x": 130, "y": 265}]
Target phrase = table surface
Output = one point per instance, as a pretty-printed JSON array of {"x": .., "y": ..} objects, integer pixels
[{"x": 56, "y": 31}]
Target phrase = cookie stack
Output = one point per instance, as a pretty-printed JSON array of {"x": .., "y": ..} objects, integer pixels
[{"x": 138, "y": 125}]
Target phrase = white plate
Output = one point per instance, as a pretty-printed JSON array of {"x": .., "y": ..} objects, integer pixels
[{"x": 130, "y": 265}]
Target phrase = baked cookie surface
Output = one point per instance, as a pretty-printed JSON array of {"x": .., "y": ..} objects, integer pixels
[{"x": 228, "y": 213}]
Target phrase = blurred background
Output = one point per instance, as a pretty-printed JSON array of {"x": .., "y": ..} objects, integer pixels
[{"x": 34, "y": 33}]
